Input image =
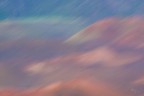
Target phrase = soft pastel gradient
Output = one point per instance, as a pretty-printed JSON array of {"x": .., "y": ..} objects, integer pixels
[{"x": 71, "y": 48}]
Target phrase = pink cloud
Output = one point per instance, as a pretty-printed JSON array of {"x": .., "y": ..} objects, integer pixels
[
  {"x": 139, "y": 81},
  {"x": 123, "y": 32},
  {"x": 103, "y": 55},
  {"x": 75, "y": 87}
]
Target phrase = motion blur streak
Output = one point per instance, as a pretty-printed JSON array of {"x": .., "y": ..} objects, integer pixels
[{"x": 71, "y": 48}]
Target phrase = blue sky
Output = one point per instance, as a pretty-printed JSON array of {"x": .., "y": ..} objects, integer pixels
[
  {"x": 90, "y": 10},
  {"x": 33, "y": 31}
]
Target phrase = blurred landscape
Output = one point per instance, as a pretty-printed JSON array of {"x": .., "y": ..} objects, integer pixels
[{"x": 71, "y": 48}]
